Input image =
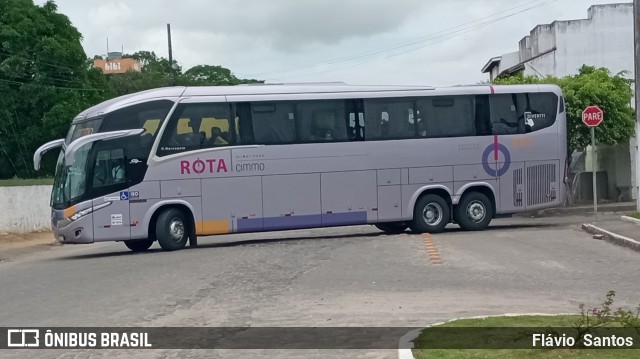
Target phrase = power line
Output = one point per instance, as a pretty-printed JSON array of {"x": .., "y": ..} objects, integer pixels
[
  {"x": 35, "y": 60},
  {"x": 53, "y": 86}
]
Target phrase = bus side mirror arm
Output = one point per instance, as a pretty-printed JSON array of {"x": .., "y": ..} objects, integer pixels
[
  {"x": 70, "y": 153},
  {"x": 37, "y": 156}
]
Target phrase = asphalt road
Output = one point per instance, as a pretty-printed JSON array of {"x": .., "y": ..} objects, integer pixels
[{"x": 351, "y": 276}]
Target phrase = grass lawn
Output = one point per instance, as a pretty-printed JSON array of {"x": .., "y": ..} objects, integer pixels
[
  {"x": 635, "y": 215},
  {"x": 495, "y": 329},
  {"x": 26, "y": 182}
]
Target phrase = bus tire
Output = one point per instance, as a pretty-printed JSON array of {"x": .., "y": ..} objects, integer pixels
[
  {"x": 392, "y": 227},
  {"x": 139, "y": 245},
  {"x": 172, "y": 229},
  {"x": 474, "y": 212},
  {"x": 430, "y": 214}
]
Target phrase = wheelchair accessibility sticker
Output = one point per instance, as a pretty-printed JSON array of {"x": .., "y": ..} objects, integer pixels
[
  {"x": 495, "y": 168},
  {"x": 124, "y": 196}
]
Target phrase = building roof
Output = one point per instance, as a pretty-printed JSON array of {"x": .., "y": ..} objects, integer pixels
[
  {"x": 493, "y": 62},
  {"x": 520, "y": 66}
]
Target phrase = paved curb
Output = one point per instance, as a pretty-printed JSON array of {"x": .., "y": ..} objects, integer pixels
[
  {"x": 584, "y": 210},
  {"x": 613, "y": 237},
  {"x": 405, "y": 346},
  {"x": 631, "y": 219}
]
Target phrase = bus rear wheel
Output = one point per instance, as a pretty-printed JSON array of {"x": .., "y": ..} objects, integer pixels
[
  {"x": 392, "y": 227},
  {"x": 138, "y": 245},
  {"x": 430, "y": 214},
  {"x": 474, "y": 212},
  {"x": 172, "y": 229}
]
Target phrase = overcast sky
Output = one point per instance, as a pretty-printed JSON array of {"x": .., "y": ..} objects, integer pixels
[{"x": 422, "y": 42}]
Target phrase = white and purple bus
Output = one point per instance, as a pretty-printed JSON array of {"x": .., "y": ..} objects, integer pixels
[{"x": 172, "y": 164}]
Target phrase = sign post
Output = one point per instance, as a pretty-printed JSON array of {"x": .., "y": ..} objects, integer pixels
[
  {"x": 636, "y": 26},
  {"x": 592, "y": 116}
]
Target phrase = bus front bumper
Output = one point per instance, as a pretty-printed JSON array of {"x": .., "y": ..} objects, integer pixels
[{"x": 72, "y": 231}]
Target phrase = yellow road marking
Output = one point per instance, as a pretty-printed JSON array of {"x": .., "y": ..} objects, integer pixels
[{"x": 432, "y": 250}]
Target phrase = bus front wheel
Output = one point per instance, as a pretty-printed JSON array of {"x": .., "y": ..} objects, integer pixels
[
  {"x": 474, "y": 212},
  {"x": 138, "y": 245},
  {"x": 172, "y": 229},
  {"x": 431, "y": 214}
]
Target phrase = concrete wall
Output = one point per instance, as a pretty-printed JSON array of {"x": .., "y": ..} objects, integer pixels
[
  {"x": 604, "y": 39},
  {"x": 25, "y": 209}
]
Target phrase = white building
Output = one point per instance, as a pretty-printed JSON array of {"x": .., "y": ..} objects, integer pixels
[{"x": 604, "y": 39}]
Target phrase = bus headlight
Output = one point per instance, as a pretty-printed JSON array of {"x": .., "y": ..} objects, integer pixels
[{"x": 80, "y": 214}]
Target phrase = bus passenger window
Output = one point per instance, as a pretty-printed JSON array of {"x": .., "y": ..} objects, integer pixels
[
  {"x": 244, "y": 126},
  {"x": 483, "y": 116},
  {"x": 389, "y": 119},
  {"x": 323, "y": 126},
  {"x": 193, "y": 126},
  {"x": 110, "y": 168},
  {"x": 273, "y": 122},
  {"x": 504, "y": 115},
  {"x": 325, "y": 120},
  {"x": 537, "y": 110},
  {"x": 446, "y": 116}
]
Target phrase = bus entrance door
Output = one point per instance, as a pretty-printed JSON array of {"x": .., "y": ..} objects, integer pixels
[{"x": 110, "y": 182}]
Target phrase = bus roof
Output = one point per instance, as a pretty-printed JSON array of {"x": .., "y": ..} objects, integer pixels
[{"x": 304, "y": 90}]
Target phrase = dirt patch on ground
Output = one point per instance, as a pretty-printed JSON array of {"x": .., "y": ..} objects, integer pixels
[{"x": 15, "y": 244}]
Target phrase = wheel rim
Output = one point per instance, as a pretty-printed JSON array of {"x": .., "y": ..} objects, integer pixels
[
  {"x": 432, "y": 214},
  {"x": 176, "y": 229},
  {"x": 476, "y": 211}
]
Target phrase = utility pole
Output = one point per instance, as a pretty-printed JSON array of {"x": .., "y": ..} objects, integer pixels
[
  {"x": 173, "y": 78},
  {"x": 636, "y": 44}
]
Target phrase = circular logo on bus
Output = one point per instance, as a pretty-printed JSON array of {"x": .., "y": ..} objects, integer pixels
[{"x": 490, "y": 167}]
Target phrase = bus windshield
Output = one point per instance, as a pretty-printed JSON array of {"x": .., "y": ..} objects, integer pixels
[
  {"x": 82, "y": 129},
  {"x": 69, "y": 182}
]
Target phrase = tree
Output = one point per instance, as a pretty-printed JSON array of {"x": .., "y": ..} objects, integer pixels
[
  {"x": 208, "y": 75},
  {"x": 44, "y": 81},
  {"x": 591, "y": 86},
  {"x": 151, "y": 63},
  {"x": 157, "y": 73}
]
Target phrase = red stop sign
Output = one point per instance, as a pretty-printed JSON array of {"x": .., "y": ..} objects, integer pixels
[{"x": 592, "y": 116}]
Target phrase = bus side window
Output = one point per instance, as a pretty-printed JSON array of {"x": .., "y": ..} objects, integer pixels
[
  {"x": 389, "y": 119},
  {"x": 537, "y": 110},
  {"x": 244, "y": 125},
  {"x": 273, "y": 122},
  {"x": 355, "y": 120},
  {"x": 483, "y": 116},
  {"x": 194, "y": 126},
  {"x": 324, "y": 120},
  {"x": 504, "y": 115},
  {"x": 323, "y": 125},
  {"x": 110, "y": 168},
  {"x": 446, "y": 116}
]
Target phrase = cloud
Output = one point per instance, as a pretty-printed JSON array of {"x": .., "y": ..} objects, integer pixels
[
  {"x": 357, "y": 41},
  {"x": 291, "y": 22},
  {"x": 110, "y": 14}
]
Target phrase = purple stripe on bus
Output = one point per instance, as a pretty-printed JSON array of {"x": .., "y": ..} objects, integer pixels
[
  {"x": 302, "y": 221},
  {"x": 250, "y": 225},
  {"x": 343, "y": 219},
  {"x": 292, "y": 222}
]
